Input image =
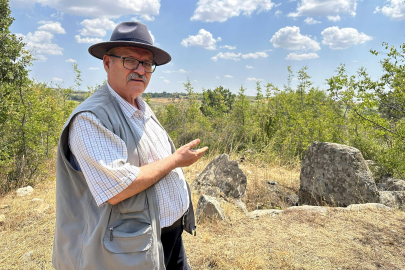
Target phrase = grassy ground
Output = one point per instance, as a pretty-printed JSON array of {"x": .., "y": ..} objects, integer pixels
[{"x": 293, "y": 240}]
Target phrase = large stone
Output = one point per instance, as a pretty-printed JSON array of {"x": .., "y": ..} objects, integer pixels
[
  {"x": 221, "y": 177},
  {"x": 24, "y": 191},
  {"x": 209, "y": 207},
  {"x": 391, "y": 184},
  {"x": 336, "y": 174},
  {"x": 393, "y": 199}
]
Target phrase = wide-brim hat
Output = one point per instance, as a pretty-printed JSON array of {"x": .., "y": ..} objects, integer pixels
[{"x": 131, "y": 34}]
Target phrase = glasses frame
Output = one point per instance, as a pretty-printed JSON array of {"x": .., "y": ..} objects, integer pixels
[{"x": 139, "y": 62}]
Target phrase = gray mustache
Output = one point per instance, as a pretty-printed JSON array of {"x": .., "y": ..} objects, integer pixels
[{"x": 135, "y": 76}]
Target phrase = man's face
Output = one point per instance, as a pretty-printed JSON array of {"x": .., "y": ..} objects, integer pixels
[{"x": 118, "y": 76}]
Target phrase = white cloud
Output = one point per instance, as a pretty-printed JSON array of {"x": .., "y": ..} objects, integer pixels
[
  {"x": 147, "y": 17},
  {"x": 71, "y": 61},
  {"x": 195, "y": 81},
  {"x": 58, "y": 15},
  {"x": 227, "y": 55},
  {"x": 221, "y": 10},
  {"x": 87, "y": 39},
  {"x": 94, "y": 68},
  {"x": 217, "y": 77},
  {"x": 40, "y": 58},
  {"x": 255, "y": 55},
  {"x": 334, "y": 18},
  {"x": 248, "y": 67},
  {"x": 339, "y": 39},
  {"x": 290, "y": 38},
  {"x": 395, "y": 10},
  {"x": 153, "y": 38},
  {"x": 304, "y": 56},
  {"x": 236, "y": 57},
  {"x": 97, "y": 8},
  {"x": 254, "y": 79},
  {"x": 174, "y": 71},
  {"x": 278, "y": 13},
  {"x": 228, "y": 47},
  {"x": 96, "y": 27},
  {"x": 53, "y": 27},
  {"x": 324, "y": 8},
  {"x": 57, "y": 79},
  {"x": 228, "y": 76},
  {"x": 161, "y": 77},
  {"x": 203, "y": 39},
  {"x": 166, "y": 81},
  {"x": 41, "y": 43},
  {"x": 311, "y": 20}
]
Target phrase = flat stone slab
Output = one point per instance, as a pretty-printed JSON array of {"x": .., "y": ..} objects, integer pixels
[
  {"x": 265, "y": 212},
  {"x": 24, "y": 191}
]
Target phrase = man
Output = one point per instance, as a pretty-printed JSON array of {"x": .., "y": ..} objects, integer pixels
[{"x": 122, "y": 201}]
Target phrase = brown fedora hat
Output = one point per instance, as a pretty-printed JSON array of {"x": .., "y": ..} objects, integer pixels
[{"x": 130, "y": 34}]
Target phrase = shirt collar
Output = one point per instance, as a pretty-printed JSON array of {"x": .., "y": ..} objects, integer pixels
[{"x": 127, "y": 108}]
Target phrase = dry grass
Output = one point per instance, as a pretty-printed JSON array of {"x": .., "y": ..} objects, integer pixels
[{"x": 293, "y": 240}]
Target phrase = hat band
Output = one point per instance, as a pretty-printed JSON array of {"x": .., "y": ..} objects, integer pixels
[{"x": 133, "y": 39}]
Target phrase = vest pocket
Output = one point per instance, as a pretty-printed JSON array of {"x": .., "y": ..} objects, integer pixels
[{"x": 128, "y": 236}]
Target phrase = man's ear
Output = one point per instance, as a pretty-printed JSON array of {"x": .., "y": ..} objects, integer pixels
[{"x": 106, "y": 62}]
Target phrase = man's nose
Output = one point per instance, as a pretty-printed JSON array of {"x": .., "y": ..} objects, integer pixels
[{"x": 140, "y": 69}]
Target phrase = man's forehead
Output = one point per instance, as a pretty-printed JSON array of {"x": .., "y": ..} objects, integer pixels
[{"x": 134, "y": 50}]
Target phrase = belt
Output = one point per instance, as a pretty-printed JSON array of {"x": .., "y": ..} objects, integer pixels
[{"x": 175, "y": 225}]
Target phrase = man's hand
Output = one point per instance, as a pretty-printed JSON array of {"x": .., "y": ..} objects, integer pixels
[
  {"x": 153, "y": 172},
  {"x": 185, "y": 155}
]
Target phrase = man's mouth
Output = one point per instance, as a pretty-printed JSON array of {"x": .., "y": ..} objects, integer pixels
[{"x": 136, "y": 77}]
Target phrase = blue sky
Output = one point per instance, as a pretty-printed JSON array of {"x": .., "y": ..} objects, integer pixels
[{"x": 213, "y": 42}]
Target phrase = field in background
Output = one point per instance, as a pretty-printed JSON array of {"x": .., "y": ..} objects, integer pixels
[{"x": 294, "y": 240}]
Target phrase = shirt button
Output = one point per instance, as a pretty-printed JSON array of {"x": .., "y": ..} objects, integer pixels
[{"x": 138, "y": 114}]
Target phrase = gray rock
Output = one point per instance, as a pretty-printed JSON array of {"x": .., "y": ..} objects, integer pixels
[
  {"x": 209, "y": 207},
  {"x": 2, "y": 219},
  {"x": 36, "y": 201},
  {"x": 391, "y": 184},
  {"x": 221, "y": 176},
  {"x": 24, "y": 191},
  {"x": 367, "y": 206},
  {"x": 260, "y": 213},
  {"x": 281, "y": 196},
  {"x": 310, "y": 208},
  {"x": 336, "y": 174},
  {"x": 393, "y": 199},
  {"x": 241, "y": 205},
  {"x": 43, "y": 208},
  {"x": 28, "y": 256}
]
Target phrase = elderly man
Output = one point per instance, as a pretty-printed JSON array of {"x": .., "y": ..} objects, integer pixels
[{"x": 122, "y": 201}]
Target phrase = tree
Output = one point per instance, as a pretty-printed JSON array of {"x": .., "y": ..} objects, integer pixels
[{"x": 216, "y": 102}]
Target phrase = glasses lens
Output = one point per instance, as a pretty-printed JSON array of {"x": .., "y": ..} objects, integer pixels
[{"x": 132, "y": 63}]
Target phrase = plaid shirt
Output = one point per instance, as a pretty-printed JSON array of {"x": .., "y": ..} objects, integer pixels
[{"x": 102, "y": 157}]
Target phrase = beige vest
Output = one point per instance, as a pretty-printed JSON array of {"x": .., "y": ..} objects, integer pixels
[{"x": 123, "y": 236}]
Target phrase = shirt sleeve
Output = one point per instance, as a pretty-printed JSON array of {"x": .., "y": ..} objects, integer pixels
[{"x": 102, "y": 157}]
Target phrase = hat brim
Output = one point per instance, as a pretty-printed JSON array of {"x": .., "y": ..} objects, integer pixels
[{"x": 160, "y": 56}]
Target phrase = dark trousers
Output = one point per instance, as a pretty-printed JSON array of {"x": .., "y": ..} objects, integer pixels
[{"x": 173, "y": 248}]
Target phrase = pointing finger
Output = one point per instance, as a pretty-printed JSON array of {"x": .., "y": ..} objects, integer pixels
[{"x": 193, "y": 144}]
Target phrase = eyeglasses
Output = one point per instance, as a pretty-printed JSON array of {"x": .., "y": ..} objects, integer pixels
[{"x": 132, "y": 63}]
